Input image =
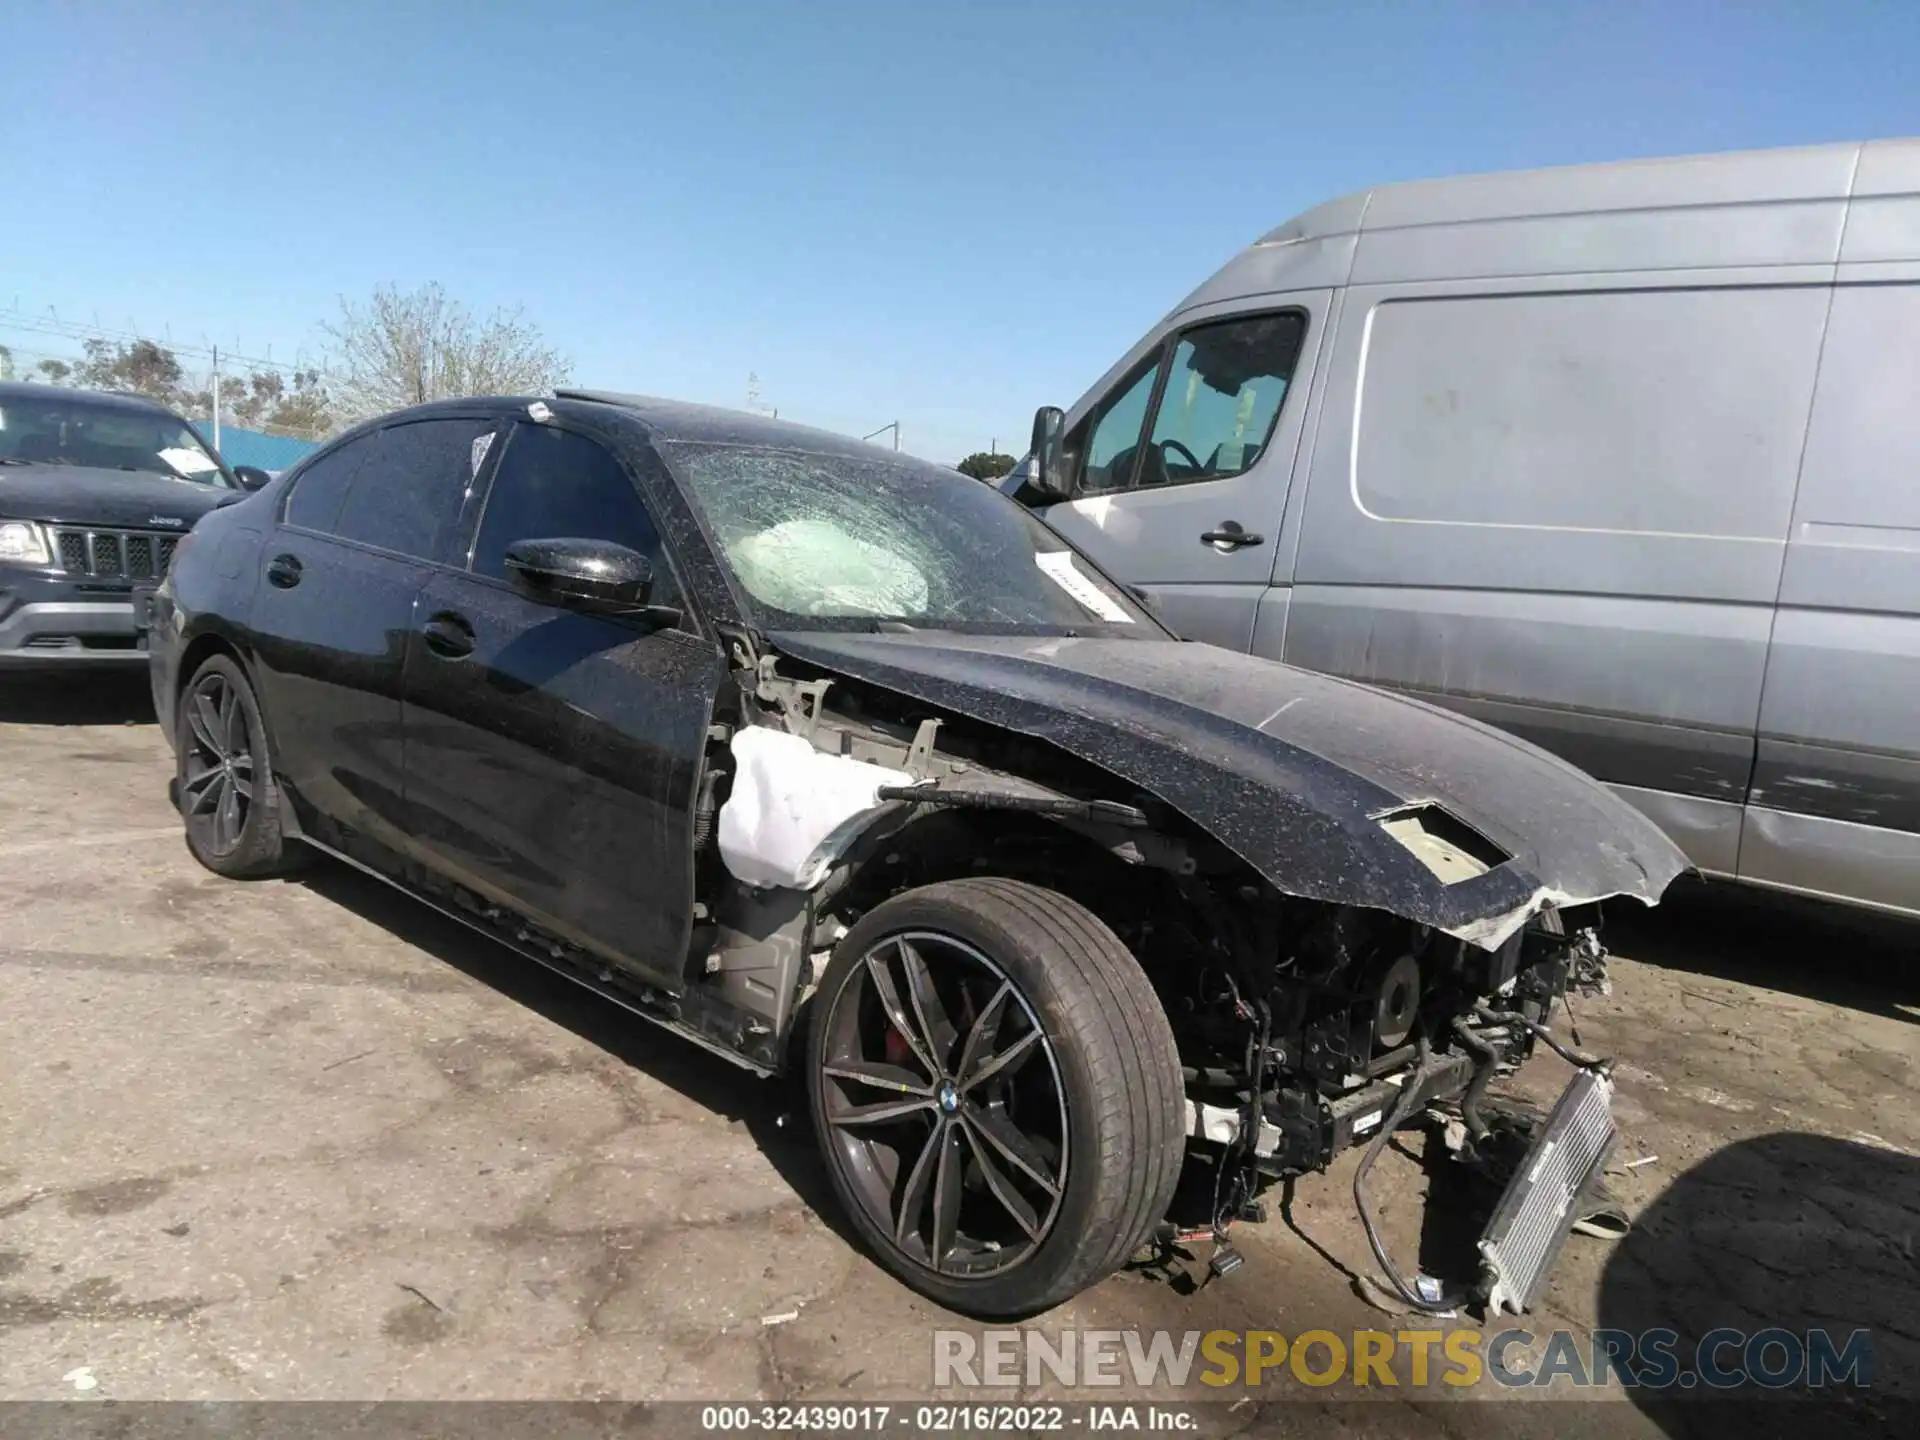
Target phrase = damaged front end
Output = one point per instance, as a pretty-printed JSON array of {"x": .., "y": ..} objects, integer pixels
[{"x": 1305, "y": 1026}]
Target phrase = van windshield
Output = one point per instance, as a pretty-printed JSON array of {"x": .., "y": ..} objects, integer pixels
[{"x": 838, "y": 542}]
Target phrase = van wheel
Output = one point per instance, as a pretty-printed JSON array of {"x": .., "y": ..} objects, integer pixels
[
  {"x": 996, "y": 1090},
  {"x": 223, "y": 781}
]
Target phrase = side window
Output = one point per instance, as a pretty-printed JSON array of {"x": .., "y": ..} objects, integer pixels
[
  {"x": 1113, "y": 441},
  {"x": 1222, "y": 396},
  {"x": 410, "y": 487},
  {"x": 322, "y": 484},
  {"x": 551, "y": 484}
]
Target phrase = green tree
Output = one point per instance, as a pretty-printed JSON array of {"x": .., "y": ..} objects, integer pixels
[
  {"x": 985, "y": 465},
  {"x": 137, "y": 368},
  {"x": 296, "y": 403},
  {"x": 305, "y": 407},
  {"x": 6, "y": 363},
  {"x": 55, "y": 372}
]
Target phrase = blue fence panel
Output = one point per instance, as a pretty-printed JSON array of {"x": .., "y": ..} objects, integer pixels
[{"x": 251, "y": 447}]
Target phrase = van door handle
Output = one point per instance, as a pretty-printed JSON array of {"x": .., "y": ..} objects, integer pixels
[
  {"x": 1231, "y": 536},
  {"x": 283, "y": 571},
  {"x": 449, "y": 636}
]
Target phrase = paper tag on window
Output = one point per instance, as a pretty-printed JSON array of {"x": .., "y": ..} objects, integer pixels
[
  {"x": 481, "y": 444},
  {"x": 188, "y": 462},
  {"x": 1058, "y": 566}
]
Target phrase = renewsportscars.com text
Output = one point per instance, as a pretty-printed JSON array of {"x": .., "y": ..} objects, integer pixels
[{"x": 1657, "y": 1359}]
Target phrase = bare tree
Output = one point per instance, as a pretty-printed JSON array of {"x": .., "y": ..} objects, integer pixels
[{"x": 404, "y": 348}]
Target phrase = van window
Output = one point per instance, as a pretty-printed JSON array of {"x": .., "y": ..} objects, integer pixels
[
  {"x": 1221, "y": 398},
  {"x": 1114, "y": 442},
  {"x": 1676, "y": 412},
  {"x": 1216, "y": 410}
]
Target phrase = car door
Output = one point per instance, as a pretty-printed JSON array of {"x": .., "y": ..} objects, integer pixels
[
  {"x": 1180, "y": 474},
  {"x": 333, "y": 609},
  {"x": 552, "y": 755}
]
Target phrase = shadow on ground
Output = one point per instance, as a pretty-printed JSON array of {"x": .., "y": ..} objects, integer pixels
[
  {"x": 1835, "y": 954},
  {"x": 1794, "y": 1231},
  {"x": 773, "y": 1111},
  {"x": 1825, "y": 952},
  {"x": 101, "y": 697}
]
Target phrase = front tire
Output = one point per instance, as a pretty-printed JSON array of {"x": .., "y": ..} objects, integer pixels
[
  {"x": 223, "y": 777},
  {"x": 997, "y": 1094}
]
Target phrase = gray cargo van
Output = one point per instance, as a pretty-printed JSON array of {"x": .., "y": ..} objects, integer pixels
[{"x": 1623, "y": 458}]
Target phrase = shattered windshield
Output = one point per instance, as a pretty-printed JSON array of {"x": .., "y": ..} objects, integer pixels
[
  {"x": 823, "y": 541},
  {"x": 70, "y": 430}
]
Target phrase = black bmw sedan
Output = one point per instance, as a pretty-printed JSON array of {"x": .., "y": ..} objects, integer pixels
[{"x": 843, "y": 765}]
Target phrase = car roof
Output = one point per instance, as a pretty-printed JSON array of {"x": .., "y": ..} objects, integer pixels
[
  {"x": 28, "y": 390},
  {"x": 667, "y": 422},
  {"x": 681, "y": 421}
]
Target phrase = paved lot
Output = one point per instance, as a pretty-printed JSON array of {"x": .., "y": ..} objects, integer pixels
[{"x": 309, "y": 1140}]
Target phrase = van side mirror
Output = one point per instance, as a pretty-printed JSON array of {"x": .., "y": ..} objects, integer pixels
[{"x": 1040, "y": 478}]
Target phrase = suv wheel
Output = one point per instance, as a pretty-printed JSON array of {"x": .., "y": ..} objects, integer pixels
[
  {"x": 997, "y": 1093},
  {"x": 224, "y": 776}
]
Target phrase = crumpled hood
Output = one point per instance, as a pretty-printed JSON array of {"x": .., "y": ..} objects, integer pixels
[
  {"x": 1291, "y": 770},
  {"x": 119, "y": 499}
]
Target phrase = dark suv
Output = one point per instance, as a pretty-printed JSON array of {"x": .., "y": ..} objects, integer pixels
[{"x": 95, "y": 492}]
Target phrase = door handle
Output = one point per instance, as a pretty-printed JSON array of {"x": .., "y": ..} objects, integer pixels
[
  {"x": 1229, "y": 536},
  {"x": 449, "y": 636},
  {"x": 283, "y": 571}
]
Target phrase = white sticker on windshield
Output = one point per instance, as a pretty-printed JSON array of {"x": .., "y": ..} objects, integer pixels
[
  {"x": 481, "y": 445},
  {"x": 1058, "y": 566},
  {"x": 188, "y": 462}
]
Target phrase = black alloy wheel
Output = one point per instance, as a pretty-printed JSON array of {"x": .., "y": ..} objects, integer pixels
[
  {"x": 223, "y": 776},
  {"x": 997, "y": 1093},
  {"x": 946, "y": 1104},
  {"x": 217, "y": 780}
]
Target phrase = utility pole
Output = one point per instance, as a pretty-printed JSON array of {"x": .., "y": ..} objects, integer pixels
[{"x": 216, "y": 398}]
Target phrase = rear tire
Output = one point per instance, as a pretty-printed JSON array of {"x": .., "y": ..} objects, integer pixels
[
  {"x": 991, "y": 1046},
  {"x": 223, "y": 777}
]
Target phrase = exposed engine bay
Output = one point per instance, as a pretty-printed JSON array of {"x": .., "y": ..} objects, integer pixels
[{"x": 1304, "y": 1028}]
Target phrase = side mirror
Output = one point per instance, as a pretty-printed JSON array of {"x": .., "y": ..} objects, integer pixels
[
  {"x": 593, "y": 575},
  {"x": 251, "y": 477},
  {"x": 1043, "y": 477}
]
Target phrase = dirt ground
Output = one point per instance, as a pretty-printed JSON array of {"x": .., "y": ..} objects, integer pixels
[{"x": 309, "y": 1140}]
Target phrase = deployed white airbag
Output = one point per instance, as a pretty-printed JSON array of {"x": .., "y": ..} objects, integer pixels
[
  {"x": 793, "y": 809},
  {"x": 813, "y": 567}
]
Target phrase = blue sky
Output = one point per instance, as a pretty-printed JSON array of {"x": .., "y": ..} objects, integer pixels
[{"x": 944, "y": 213}]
